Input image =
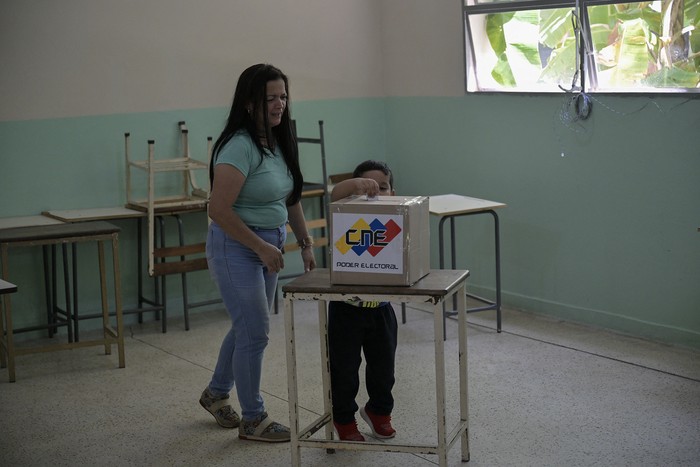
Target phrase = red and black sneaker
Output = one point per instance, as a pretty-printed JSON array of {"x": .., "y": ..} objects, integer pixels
[
  {"x": 380, "y": 424},
  {"x": 348, "y": 431}
]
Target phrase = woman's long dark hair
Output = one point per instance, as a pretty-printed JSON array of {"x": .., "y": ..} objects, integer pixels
[{"x": 251, "y": 93}]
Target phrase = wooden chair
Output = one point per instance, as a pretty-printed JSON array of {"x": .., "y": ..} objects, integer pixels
[
  {"x": 162, "y": 260},
  {"x": 337, "y": 178},
  {"x": 189, "y": 197},
  {"x": 317, "y": 228},
  {"x": 180, "y": 259}
]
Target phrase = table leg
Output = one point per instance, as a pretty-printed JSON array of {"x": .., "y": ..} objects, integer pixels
[
  {"x": 9, "y": 338},
  {"x": 3, "y": 306},
  {"x": 497, "y": 233},
  {"x": 103, "y": 297},
  {"x": 325, "y": 365},
  {"x": 292, "y": 387},
  {"x": 440, "y": 384},
  {"x": 441, "y": 242},
  {"x": 185, "y": 300},
  {"x": 441, "y": 256},
  {"x": 67, "y": 291},
  {"x": 461, "y": 295},
  {"x": 54, "y": 288},
  {"x": 161, "y": 291},
  {"x": 3, "y": 351},
  {"x": 74, "y": 321},
  {"x": 155, "y": 302},
  {"x": 118, "y": 300},
  {"x": 139, "y": 265},
  {"x": 50, "y": 316},
  {"x": 453, "y": 256}
]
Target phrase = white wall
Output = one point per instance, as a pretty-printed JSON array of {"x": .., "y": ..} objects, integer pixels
[
  {"x": 423, "y": 48},
  {"x": 93, "y": 57}
]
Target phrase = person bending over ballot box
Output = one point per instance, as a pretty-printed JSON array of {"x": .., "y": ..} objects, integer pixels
[{"x": 357, "y": 326}]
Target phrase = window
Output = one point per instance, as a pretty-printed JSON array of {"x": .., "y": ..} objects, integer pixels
[{"x": 584, "y": 45}]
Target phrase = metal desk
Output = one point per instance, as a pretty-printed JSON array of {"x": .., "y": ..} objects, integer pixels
[
  {"x": 434, "y": 289},
  {"x": 62, "y": 234},
  {"x": 452, "y": 206},
  {"x": 109, "y": 214},
  {"x": 157, "y": 304}
]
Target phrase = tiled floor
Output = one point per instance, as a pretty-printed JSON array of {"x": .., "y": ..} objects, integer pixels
[{"x": 541, "y": 393}]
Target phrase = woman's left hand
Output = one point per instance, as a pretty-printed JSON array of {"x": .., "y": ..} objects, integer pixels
[{"x": 307, "y": 255}]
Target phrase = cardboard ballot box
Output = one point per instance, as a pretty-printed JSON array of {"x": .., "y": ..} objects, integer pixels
[{"x": 380, "y": 241}]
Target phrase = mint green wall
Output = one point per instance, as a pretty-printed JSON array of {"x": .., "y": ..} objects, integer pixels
[
  {"x": 73, "y": 163},
  {"x": 80, "y": 161},
  {"x": 605, "y": 235}
]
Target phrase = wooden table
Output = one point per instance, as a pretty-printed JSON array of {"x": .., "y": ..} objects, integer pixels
[
  {"x": 94, "y": 214},
  {"x": 433, "y": 289},
  {"x": 36, "y": 221},
  {"x": 63, "y": 234},
  {"x": 449, "y": 207},
  {"x": 26, "y": 221}
]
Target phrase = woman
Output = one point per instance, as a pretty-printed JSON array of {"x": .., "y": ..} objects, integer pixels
[{"x": 256, "y": 188}]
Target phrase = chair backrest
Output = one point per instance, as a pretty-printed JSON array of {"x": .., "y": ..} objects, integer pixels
[
  {"x": 188, "y": 258},
  {"x": 313, "y": 226},
  {"x": 335, "y": 178},
  {"x": 320, "y": 241},
  {"x": 179, "y": 259}
]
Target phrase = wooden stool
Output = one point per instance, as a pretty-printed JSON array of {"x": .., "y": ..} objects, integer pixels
[{"x": 55, "y": 235}]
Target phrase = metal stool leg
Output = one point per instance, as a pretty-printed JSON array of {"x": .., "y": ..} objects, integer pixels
[
  {"x": 67, "y": 291},
  {"x": 161, "y": 280},
  {"x": 497, "y": 234},
  {"x": 50, "y": 316},
  {"x": 76, "y": 326},
  {"x": 185, "y": 301}
]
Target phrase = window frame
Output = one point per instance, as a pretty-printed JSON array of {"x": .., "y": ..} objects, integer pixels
[{"x": 589, "y": 76}]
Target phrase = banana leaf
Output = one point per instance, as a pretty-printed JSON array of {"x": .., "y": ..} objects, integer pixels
[
  {"x": 555, "y": 25},
  {"x": 673, "y": 77},
  {"x": 633, "y": 56}
]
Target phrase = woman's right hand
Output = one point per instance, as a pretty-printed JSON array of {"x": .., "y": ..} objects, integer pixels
[{"x": 272, "y": 257}]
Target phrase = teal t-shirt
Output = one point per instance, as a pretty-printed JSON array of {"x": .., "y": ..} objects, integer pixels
[{"x": 262, "y": 200}]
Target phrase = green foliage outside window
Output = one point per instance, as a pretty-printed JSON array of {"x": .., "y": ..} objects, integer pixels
[{"x": 628, "y": 45}]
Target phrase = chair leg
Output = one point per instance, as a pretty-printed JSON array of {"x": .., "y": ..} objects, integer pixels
[
  {"x": 185, "y": 301},
  {"x": 3, "y": 351},
  {"x": 164, "y": 315},
  {"x": 163, "y": 294},
  {"x": 51, "y": 318},
  {"x": 8, "y": 355},
  {"x": 67, "y": 291}
]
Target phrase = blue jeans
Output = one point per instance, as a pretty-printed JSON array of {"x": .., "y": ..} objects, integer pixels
[{"x": 247, "y": 289}]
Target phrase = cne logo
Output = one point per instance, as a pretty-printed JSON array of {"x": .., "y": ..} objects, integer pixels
[{"x": 372, "y": 237}]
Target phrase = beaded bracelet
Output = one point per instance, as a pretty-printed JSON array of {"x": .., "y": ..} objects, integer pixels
[{"x": 306, "y": 242}]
